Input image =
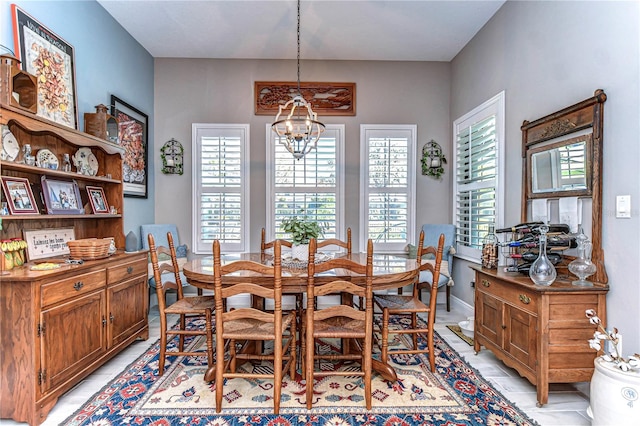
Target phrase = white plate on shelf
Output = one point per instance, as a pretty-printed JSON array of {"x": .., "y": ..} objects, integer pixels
[
  {"x": 86, "y": 162},
  {"x": 47, "y": 159},
  {"x": 10, "y": 145}
]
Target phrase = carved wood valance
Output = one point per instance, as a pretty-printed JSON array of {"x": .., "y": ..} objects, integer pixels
[{"x": 325, "y": 98}]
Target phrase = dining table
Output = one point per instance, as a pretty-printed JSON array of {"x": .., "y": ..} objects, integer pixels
[{"x": 390, "y": 271}]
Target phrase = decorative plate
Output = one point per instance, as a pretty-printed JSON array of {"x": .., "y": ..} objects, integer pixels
[
  {"x": 46, "y": 159},
  {"x": 10, "y": 145},
  {"x": 85, "y": 162}
]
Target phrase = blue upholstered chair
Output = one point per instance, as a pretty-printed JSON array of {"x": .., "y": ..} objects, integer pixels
[
  {"x": 431, "y": 235},
  {"x": 159, "y": 232}
]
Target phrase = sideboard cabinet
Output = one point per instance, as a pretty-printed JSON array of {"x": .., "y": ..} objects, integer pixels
[
  {"x": 58, "y": 326},
  {"x": 541, "y": 332}
]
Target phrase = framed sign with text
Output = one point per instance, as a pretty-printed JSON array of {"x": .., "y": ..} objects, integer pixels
[{"x": 43, "y": 243}]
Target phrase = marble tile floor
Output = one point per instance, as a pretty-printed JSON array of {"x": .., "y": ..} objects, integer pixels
[{"x": 567, "y": 402}]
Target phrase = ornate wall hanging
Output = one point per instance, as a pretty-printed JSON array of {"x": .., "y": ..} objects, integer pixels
[
  {"x": 171, "y": 154},
  {"x": 325, "y": 98},
  {"x": 432, "y": 160}
]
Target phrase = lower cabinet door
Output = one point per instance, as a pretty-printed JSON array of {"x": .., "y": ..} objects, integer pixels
[
  {"x": 489, "y": 309},
  {"x": 127, "y": 306},
  {"x": 73, "y": 335},
  {"x": 521, "y": 335}
]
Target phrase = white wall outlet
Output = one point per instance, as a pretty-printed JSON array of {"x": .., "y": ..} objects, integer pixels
[{"x": 623, "y": 206}]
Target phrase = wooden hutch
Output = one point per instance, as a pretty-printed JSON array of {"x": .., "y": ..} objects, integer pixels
[
  {"x": 542, "y": 331},
  {"x": 58, "y": 326}
]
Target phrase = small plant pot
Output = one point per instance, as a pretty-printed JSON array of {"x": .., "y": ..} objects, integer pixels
[{"x": 300, "y": 252}]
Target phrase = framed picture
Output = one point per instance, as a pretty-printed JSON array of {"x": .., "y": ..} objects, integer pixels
[
  {"x": 61, "y": 197},
  {"x": 17, "y": 192},
  {"x": 98, "y": 199},
  {"x": 51, "y": 59},
  {"x": 43, "y": 243},
  {"x": 132, "y": 135}
]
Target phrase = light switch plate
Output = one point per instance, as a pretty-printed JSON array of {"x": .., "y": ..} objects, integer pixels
[{"x": 623, "y": 206}]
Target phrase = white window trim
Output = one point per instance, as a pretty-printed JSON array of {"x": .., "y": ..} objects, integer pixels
[
  {"x": 364, "y": 187},
  {"x": 270, "y": 226},
  {"x": 200, "y": 247},
  {"x": 495, "y": 105}
]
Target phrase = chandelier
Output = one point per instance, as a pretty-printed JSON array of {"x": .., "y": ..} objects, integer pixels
[{"x": 300, "y": 130}]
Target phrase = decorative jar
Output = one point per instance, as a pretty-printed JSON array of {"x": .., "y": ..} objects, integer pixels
[{"x": 582, "y": 267}]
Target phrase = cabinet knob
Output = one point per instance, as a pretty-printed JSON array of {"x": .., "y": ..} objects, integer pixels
[
  {"x": 504, "y": 326},
  {"x": 129, "y": 269},
  {"x": 104, "y": 321},
  {"x": 524, "y": 299},
  {"x": 486, "y": 283},
  {"x": 111, "y": 317},
  {"x": 78, "y": 285}
]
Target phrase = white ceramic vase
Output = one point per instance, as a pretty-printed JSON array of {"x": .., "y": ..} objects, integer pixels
[
  {"x": 300, "y": 252},
  {"x": 615, "y": 395}
]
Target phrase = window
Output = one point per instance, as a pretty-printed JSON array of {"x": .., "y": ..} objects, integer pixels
[
  {"x": 220, "y": 186},
  {"x": 387, "y": 186},
  {"x": 315, "y": 184},
  {"x": 479, "y": 180}
]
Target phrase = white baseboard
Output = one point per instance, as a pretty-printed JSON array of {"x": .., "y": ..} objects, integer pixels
[{"x": 461, "y": 305}]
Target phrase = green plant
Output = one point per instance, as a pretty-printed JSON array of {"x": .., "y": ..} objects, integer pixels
[
  {"x": 435, "y": 172},
  {"x": 302, "y": 229}
]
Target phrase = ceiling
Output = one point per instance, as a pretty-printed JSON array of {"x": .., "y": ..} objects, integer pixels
[{"x": 392, "y": 30}]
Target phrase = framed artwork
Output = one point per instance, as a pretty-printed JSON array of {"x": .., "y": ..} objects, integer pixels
[
  {"x": 51, "y": 59},
  {"x": 17, "y": 192},
  {"x": 325, "y": 98},
  {"x": 43, "y": 243},
  {"x": 132, "y": 135},
  {"x": 61, "y": 197},
  {"x": 98, "y": 199}
]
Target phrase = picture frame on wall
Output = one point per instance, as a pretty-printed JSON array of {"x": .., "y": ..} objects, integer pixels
[
  {"x": 98, "y": 199},
  {"x": 61, "y": 196},
  {"x": 51, "y": 59},
  {"x": 18, "y": 194},
  {"x": 132, "y": 135}
]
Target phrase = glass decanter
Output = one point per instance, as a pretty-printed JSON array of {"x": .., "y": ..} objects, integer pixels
[
  {"x": 581, "y": 266},
  {"x": 542, "y": 271}
]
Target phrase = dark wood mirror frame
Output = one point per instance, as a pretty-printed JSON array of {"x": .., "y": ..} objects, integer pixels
[{"x": 584, "y": 115}]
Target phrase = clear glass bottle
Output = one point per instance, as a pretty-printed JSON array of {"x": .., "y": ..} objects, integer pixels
[
  {"x": 490, "y": 249},
  {"x": 581, "y": 266},
  {"x": 542, "y": 271}
]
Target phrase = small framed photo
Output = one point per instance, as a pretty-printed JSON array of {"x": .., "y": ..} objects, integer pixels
[
  {"x": 98, "y": 199},
  {"x": 19, "y": 196},
  {"x": 61, "y": 197}
]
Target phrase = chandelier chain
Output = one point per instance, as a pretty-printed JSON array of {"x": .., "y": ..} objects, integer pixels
[{"x": 298, "y": 34}]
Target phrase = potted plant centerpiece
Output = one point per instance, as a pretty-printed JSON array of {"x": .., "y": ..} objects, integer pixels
[
  {"x": 301, "y": 229},
  {"x": 615, "y": 385}
]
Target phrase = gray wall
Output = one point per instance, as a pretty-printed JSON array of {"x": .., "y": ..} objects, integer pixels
[
  {"x": 221, "y": 91},
  {"x": 107, "y": 61},
  {"x": 546, "y": 56}
]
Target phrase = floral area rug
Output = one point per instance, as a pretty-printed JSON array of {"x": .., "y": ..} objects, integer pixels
[{"x": 455, "y": 395}]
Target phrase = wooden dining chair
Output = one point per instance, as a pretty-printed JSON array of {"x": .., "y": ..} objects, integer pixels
[
  {"x": 342, "y": 321},
  {"x": 183, "y": 307},
  {"x": 238, "y": 330},
  {"x": 411, "y": 305}
]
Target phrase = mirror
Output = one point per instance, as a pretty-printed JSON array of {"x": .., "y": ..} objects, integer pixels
[
  {"x": 562, "y": 168},
  {"x": 562, "y": 158}
]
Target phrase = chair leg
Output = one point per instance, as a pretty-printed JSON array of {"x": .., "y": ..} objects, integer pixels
[
  {"x": 432, "y": 355},
  {"x": 309, "y": 366},
  {"x": 182, "y": 327},
  {"x": 163, "y": 344},
  {"x": 414, "y": 325},
  {"x": 293, "y": 352},
  {"x": 385, "y": 335},
  {"x": 209, "y": 332}
]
